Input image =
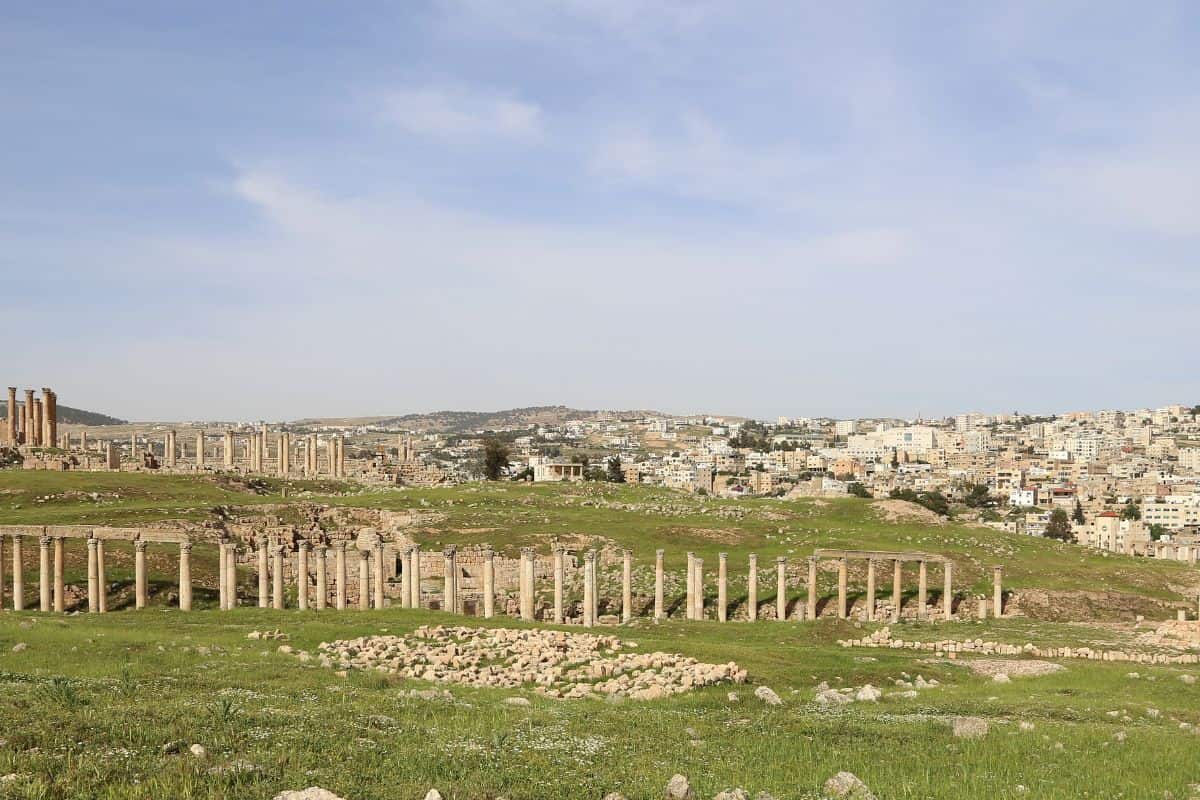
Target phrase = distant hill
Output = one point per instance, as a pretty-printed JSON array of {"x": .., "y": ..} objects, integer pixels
[
  {"x": 465, "y": 421},
  {"x": 74, "y": 416}
]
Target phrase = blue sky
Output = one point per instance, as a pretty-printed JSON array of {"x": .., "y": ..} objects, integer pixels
[{"x": 273, "y": 210}]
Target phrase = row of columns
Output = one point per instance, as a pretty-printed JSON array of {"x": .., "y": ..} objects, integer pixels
[
  {"x": 51, "y": 586},
  {"x": 255, "y": 452},
  {"x": 35, "y": 423}
]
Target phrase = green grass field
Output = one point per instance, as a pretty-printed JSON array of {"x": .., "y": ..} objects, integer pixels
[{"x": 89, "y": 704}]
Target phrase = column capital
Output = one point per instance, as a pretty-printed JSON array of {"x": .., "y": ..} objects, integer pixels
[
  {"x": 627, "y": 553},
  {"x": 185, "y": 547},
  {"x": 558, "y": 547},
  {"x": 449, "y": 550},
  {"x": 754, "y": 558},
  {"x": 996, "y": 570},
  {"x": 723, "y": 556},
  {"x": 92, "y": 541},
  {"x": 140, "y": 545},
  {"x": 528, "y": 552},
  {"x": 487, "y": 553},
  {"x": 340, "y": 545},
  {"x": 44, "y": 540},
  {"x": 320, "y": 550},
  {"x": 781, "y": 559},
  {"x": 302, "y": 544}
]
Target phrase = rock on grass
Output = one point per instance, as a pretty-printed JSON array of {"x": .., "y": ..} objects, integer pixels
[
  {"x": 847, "y": 786},
  {"x": 311, "y": 793},
  {"x": 678, "y": 788},
  {"x": 970, "y": 727}
]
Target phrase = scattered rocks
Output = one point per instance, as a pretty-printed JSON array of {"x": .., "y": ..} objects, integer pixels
[
  {"x": 517, "y": 701},
  {"x": 768, "y": 696},
  {"x": 275, "y": 634},
  {"x": 732, "y": 794},
  {"x": 832, "y": 697},
  {"x": 198, "y": 751},
  {"x": 433, "y": 794},
  {"x": 311, "y": 793},
  {"x": 235, "y": 768},
  {"x": 868, "y": 694},
  {"x": 559, "y": 664},
  {"x": 1188, "y": 679},
  {"x": 970, "y": 727},
  {"x": 847, "y": 785},
  {"x": 678, "y": 788},
  {"x": 20, "y": 647}
]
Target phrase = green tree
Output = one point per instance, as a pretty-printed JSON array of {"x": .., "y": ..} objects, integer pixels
[
  {"x": 1131, "y": 511},
  {"x": 615, "y": 473},
  {"x": 495, "y": 458},
  {"x": 1157, "y": 531},
  {"x": 1077, "y": 516},
  {"x": 977, "y": 496},
  {"x": 1059, "y": 526},
  {"x": 857, "y": 489}
]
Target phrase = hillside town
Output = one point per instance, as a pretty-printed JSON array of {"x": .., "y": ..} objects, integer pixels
[{"x": 1121, "y": 481}]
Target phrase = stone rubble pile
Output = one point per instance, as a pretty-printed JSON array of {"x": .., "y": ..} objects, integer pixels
[
  {"x": 557, "y": 663},
  {"x": 951, "y": 648}
]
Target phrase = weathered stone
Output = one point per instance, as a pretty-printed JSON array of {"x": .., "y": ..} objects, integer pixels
[
  {"x": 678, "y": 788},
  {"x": 311, "y": 793},
  {"x": 847, "y": 785},
  {"x": 768, "y": 696},
  {"x": 970, "y": 727}
]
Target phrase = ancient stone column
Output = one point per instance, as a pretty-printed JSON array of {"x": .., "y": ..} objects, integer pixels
[
  {"x": 364, "y": 580},
  {"x": 948, "y": 589},
  {"x": 60, "y": 597},
  {"x": 285, "y": 455},
  {"x": 264, "y": 575},
  {"x": 277, "y": 578},
  {"x": 752, "y": 589},
  {"x": 10, "y": 433},
  {"x": 842, "y": 607},
  {"x": 529, "y": 589},
  {"x": 321, "y": 552},
  {"x": 699, "y": 589},
  {"x": 171, "y": 448},
  {"x": 997, "y": 592},
  {"x": 415, "y": 584},
  {"x": 101, "y": 580},
  {"x": 222, "y": 575},
  {"x": 627, "y": 586},
  {"x": 51, "y": 408},
  {"x": 489, "y": 583},
  {"x": 922, "y": 588},
  {"x": 589, "y": 586},
  {"x": 722, "y": 587},
  {"x": 18, "y": 581},
  {"x": 83, "y": 444},
  {"x": 559, "y": 578},
  {"x": 983, "y": 608},
  {"x": 185, "y": 576},
  {"x": 199, "y": 448},
  {"x": 689, "y": 602},
  {"x": 139, "y": 574},
  {"x": 897, "y": 567},
  {"x": 449, "y": 573},
  {"x": 92, "y": 590},
  {"x": 44, "y": 573},
  {"x": 228, "y": 450},
  {"x": 379, "y": 576},
  {"x": 2, "y": 587},
  {"x": 659, "y": 608},
  {"x": 339, "y": 576},
  {"x": 870, "y": 589},
  {"x": 781, "y": 589},
  {"x": 231, "y": 575},
  {"x": 811, "y": 610},
  {"x": 341, "y": 456},
  {"x": 302, "y": 575}
]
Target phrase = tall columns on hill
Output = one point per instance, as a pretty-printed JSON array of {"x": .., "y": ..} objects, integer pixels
[
  {"x": 450, "y": 577},
  {"x": 659, "y": 610},
  {"x": 781, "y": 589},
  {"x": 811, "y": 610},
  {"x": 264, "y": 574},
  {"x": 339, "y": 575},
  {"x": 377, "y": 556},
  {"x": 489, "y": 584},
  {"x": 44, "y": 585},
  {"x": 18, "y": 578},
  {"x": 277, "y": 577},
  {"x": 947, "y": 589},
  {"x": 922, "y": 588},
  {"x": 185, "y": 576},
  {"x": 722, "y": 587},
  {"x": 302, "y": 575},
  {"x": 559, "y": 580},
  {"x": 415, "y": 583},
  {"x": 896, "y": 596},
  {"x": 627, "y": 586},
  {"x": 364, "y": 580},
  {"x": 997, "y": 592},
  {"x": 752, "y": 589},
  {"x": 140, "y": 593},
  {"x": 322, "y": 553}
]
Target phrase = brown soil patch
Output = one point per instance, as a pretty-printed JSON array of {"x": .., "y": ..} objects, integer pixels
[{"x": 904, "y": 511}]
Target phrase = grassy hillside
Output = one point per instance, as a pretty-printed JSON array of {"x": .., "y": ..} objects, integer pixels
[
  {"x": 509, "y": 516},
  {"x": 74, "y": 416}
]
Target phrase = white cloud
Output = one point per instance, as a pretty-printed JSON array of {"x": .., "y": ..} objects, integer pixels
[{"x": 460, "y": 113}]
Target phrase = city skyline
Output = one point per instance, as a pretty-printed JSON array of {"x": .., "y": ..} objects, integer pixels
[{"x": 275, "y": 213}]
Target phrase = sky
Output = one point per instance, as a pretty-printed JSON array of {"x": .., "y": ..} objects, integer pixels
[{"x": 275, "y": 210}]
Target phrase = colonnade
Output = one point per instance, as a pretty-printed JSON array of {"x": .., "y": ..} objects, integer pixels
[
  {"x": 52, "y": 566},
  {"x": 312, "y": 580}
]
